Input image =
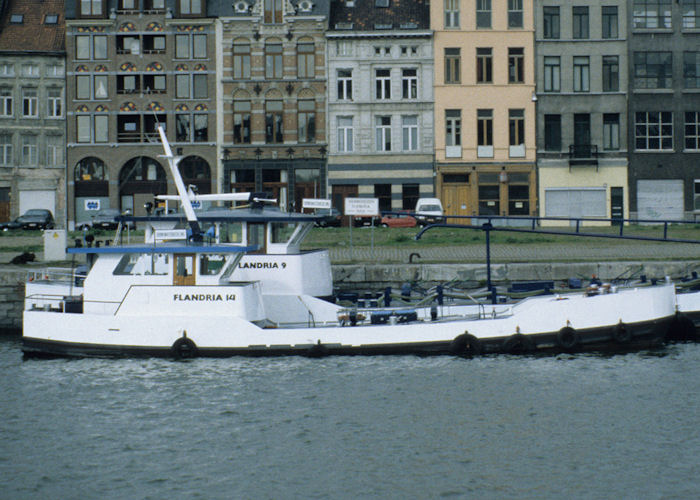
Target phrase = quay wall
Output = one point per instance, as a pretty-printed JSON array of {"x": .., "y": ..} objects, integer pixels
[{"x": 366, "y": 277}]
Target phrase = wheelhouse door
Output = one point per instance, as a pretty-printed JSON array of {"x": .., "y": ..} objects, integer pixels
[{"x": 184, "y": 272}]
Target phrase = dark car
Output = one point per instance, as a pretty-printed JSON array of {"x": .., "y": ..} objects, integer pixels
[
  {"x": 36, "y": 218},
  {"x": 331, "y": 217},
  {"x": 398, "y": 220},
  {"x": 105, "y": 219},
  {"x": 366, "y": 220}
]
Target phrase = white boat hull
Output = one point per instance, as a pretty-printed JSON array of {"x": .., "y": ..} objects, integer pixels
[{"x": 570, "y": 322}]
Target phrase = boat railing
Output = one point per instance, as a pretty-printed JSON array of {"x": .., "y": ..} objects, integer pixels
[{"x": 54, "y": 275}]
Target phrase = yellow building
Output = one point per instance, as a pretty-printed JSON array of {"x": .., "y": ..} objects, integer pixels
[{"x": 484, "y": 107}]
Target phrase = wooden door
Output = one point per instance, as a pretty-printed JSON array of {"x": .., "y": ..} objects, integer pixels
[
  {"x": 455, "y": 198},
  {"x": 184, "y": 269}
]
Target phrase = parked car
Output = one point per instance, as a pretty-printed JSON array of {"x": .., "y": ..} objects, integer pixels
[
  {"x": 35, "y": 218},
  {"x": 331, "y": 217},
  {"x": 429, "y": 211},
  {"x": 365, "y": 220},
  {"x": 104, "y": 219},
  {"x": 398, "y": 220}
]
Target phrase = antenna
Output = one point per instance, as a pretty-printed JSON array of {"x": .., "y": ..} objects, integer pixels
[{"x": 181, "y": 189}]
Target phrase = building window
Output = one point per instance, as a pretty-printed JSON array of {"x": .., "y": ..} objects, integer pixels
[
  {"x": 30, "y": 103},
  {"x": 692, "y": 132},
  {"x": 54, "y": 103},
  {"x": 30, "y": 70},
  {"x": 5, "y": 149},
  {"x": 552, "y": 132},
  {"x": 611, "y": 74},
  {"x": 484, "y": 132},
  {"x": 154, "y": 84},
  {"x": 345, "y": 144},
  {"x": 484, "y": 65},
  {"x": 409, "y": 83},
  {"x": 55, "y": 71},
  {"x": 653, "y": 70},
  {"x": 410, "y": 193},
  {"x": 611, "y": 131},
  {"x": 483, "y": 13},
  {"x": 154, "y": 6},
  {"x": 54, "y": 151},
  {"x": 126, "y": 5},
  {"x": 452, "y": 65},
  {"x": 383, "y": 194},
  {"x": 92, "y": 8},
  {"x": 7, "y": 69},
  {"x": 306, "y": 120},
  {"x": 274, "y": 119},
  {"x": 580, "y": 22},
  {"x": 653, "y": 130},
  {"x": 89, "y": 47},
  {"x": 516, "y": 65},
  {"x": 126, "y": 84},
  {"x": 409, "y": 50},
  {"x": 451, "y": 13},
  {"x": 453, "y": 126},
  {"x": 516, "y": 131},
  {"x": 190, "y": 7},
  {"x": 383, "y": 84},
  {"x": 609, "y": 16},
  {"x": 343, "y": 48},
  {"x": 551, "y": 22},
  {"x": 305, "y": 60},
  {"x": 515, "y": 13},
  {"x": 273, "y": 11},
  {"x": 489, "y": 194},
  {"x": 382, "y": 51},
  {"x": 92, "y": 128},
  {"x": 383, "y": 133},
  {"x": 273, "y": 60},
  {"x": 691, "y": 70},
  {"x": 191, "y": 127},
  {"x": 191, "y": 46},
  {"x": 552, "y": 72},
  {"x": 519, "y": 193},
  {"x": 241, "y": 59},
  {"x": 409, "y": 132},
  {"x": 691, "y": 14},
  {"x": 650, "y": 14},
  {"x": 6, "y": 102},
  {"x": 189, "y": 86},
  {"x": 29, "y": 150},
  {"x": 581, "y": 74},
  {"x": 241, "y": 122},
  {"x": 345, "y": 85}
]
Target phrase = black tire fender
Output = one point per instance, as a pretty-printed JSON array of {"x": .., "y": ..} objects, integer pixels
[
  {"x": 682, "y": 328},
  {"x": 519, "y": 344},
  {"x": 567, "y": 338},
  {"x": 465, "y": 344},
  {"x": 184, "y": 348},
  {"x": 622, "y": 334}
]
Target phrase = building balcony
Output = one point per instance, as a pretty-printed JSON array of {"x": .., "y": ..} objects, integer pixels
[{"x": 583, "y": 154}]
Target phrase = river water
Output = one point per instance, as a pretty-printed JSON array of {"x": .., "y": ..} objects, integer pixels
[{"x": 567, "y": 426}]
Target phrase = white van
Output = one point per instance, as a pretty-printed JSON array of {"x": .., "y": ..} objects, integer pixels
[{"x": 429, "y": 211}]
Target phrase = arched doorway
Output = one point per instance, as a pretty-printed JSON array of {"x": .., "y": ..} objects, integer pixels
[
  {"x": 140, "y": 179},
  {"x": 195, "y": 171},
  {"x": 91, "y": 188}
]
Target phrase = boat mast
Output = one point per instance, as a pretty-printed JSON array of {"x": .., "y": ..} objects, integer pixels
[{"x": 173, "y": 161}]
